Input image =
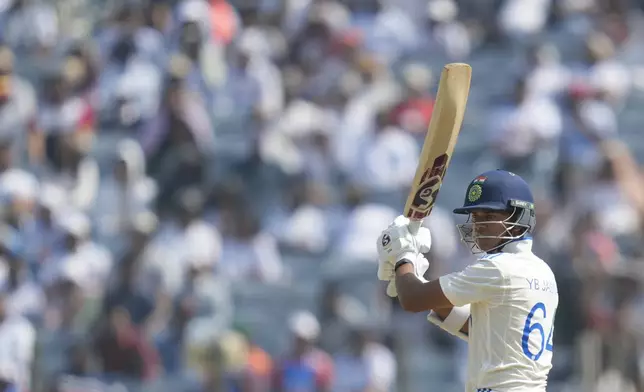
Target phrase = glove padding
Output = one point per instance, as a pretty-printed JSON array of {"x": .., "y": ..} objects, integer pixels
[
  {"x": 397, "y": 243},
  {"x": 387, "y": 273}
]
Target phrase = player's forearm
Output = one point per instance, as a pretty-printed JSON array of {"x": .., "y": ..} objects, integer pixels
[
  {"x": 408, "y": 285},
  {"x": 415, "y": 295}
]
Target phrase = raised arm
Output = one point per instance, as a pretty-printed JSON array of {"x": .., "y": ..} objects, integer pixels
[
  {"x": 415, "y": 295},
  {"x": 448, "y": 298}
]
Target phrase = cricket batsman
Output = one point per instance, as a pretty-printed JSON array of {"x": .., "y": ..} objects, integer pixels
[{"x": 503, "y": 305}]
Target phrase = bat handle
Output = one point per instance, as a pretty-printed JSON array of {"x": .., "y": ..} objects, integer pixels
[{"x": 414, "y": 225}]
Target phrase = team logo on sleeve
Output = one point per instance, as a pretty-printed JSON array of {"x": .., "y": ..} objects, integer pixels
[{"x": 475, "y": 193}]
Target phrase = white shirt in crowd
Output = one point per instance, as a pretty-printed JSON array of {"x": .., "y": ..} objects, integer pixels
[
  {"x": 523, "y": 17},
  {"x": 376, "y": 367},
  {"x": 28, "y": 299},
  {"x": 257, "y": 257},
  {"x": 514, "y": 298},
  {"x": 362, "y": 224},
  {"x": 25, "y": 299},
  {"x": 17, "y": 116},
  {"x": 32, "y": 25},
  {"x": 17, "y": 345},
  {"x": 306, "y": 228},
  {"x": 547, "y": 80},
  {"x": 388, "y": 161},
  {"x": 173, "y": 250},
  {"x": 517, "y": 131}
]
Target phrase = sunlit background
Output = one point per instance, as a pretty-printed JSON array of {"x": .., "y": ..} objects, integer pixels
[{"x": 191, "y": 190}]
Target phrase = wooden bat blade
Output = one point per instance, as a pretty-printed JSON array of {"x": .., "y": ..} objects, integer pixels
[{"x": 444, "y": 127}]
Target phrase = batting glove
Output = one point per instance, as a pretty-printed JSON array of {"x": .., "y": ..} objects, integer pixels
[
  {"x": 397, "y": 243},
  {"x": 420, "y": 263}
]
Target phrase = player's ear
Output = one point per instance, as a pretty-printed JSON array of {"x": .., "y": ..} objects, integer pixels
[{"x": 518, "y": 231}]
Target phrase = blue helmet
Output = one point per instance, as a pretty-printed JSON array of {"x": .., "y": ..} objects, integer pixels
[{"x": 499, "y": 190}]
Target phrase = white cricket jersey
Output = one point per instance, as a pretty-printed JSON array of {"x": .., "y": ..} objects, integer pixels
[{"x": 514, "y": 298}]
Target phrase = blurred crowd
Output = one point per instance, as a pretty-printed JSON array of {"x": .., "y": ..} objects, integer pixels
[{"x": 190, "y": 190}]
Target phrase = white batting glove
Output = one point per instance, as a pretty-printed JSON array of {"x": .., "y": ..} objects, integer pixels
[
  {"x": 397, "y": 243},
  {"x": 421, "y": 265}
]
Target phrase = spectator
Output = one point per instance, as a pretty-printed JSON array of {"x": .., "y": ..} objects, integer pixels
[
  {"x": 248, "y": 253},
  {"x": 78, "y": 372},
  {"x": 6, "y": 158},
  {"x": 18, "y": 189},
  {"x": 523, "y": 19},
  {"x": 141, "y": 230},
  {"x": 546, "y": 77},
  {"x": 387, "y": 44},
  {"x": 184, "y": 240},
  {"x": 18, "y": 338},
  {"x": 588, "y": 122},
  {"x": 123, "y": 351},
  {"x": 259, "y": 369},
  {"x": 414, "y": 113},
  {"x": 24, "y": 297},
  {"x": 228, "y": 370},
  {"x": 451, "y": 34},
  {"x": 299, "y": 130},
  {"x": 205, "y": 294},
  {"x": 18, "y": 104},
  {"x": 123, "y": 194},
  {"x": 62, "y": 117},
  {"x": 88, "y": 262},
  {"x": 31, "y": 27},
  {"x": 80, "y": 71},
  {"x": 359, "y": 223},
  {"x": 522, "y": 128},
  {"x": 305, "y": 368},
  {"x": 365, "y": 364},
  {"x": 267, "y": 75},
  {"x": 125, "y": 294},
  {"x": 239, "y": 112},
  {"x": 41, "y": 230},
  {"x": 609, "y": 77},
  {"x": 306, "y": 225},
  {"x": 129, "y": 86},
  {"x": 338, "y": 311},
  {"x": 213, "y": 369},
  {"x": 75, "y": 170},
  {"x": 171, "y": 337},
  {"x": 179, "y": 137},
  {"x": 394, "y": 146}
]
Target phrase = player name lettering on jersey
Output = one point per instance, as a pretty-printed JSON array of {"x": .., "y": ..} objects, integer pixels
[{"x": 543, "y": 285}]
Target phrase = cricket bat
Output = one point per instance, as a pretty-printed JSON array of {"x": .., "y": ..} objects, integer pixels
[{"x": 444, "y": 127}]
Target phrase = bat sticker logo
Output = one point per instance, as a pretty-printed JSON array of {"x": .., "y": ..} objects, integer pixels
[
  {"x": 430, "y": 184},
  {"x": 386, "y": 240}
]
